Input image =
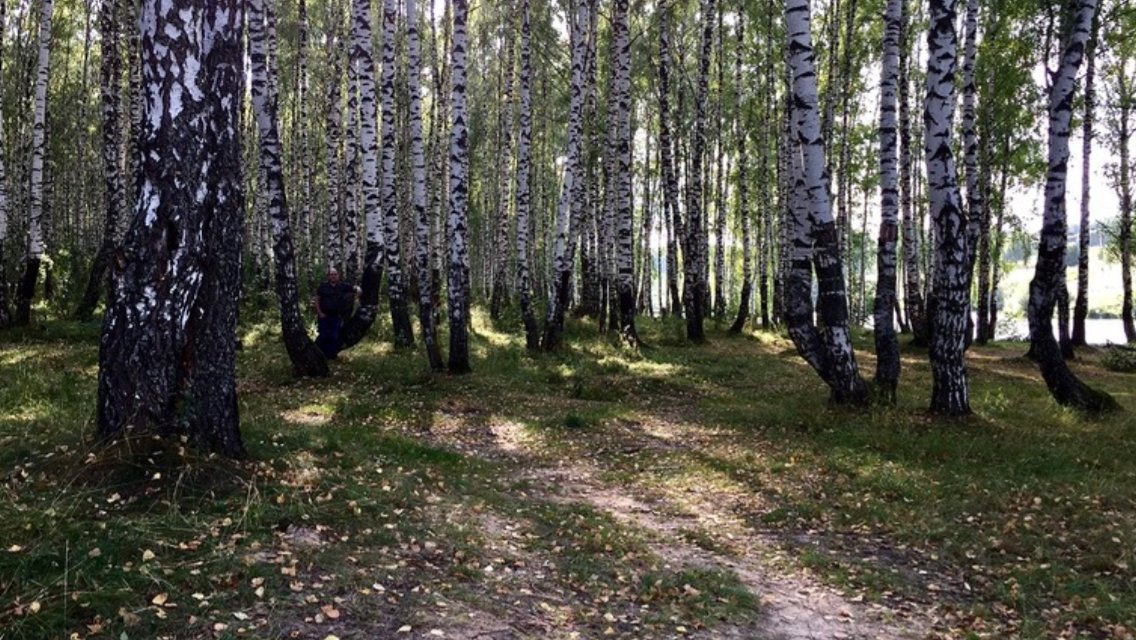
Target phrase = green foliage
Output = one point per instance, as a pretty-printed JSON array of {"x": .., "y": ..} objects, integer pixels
[{"x": 1120, "y": 358}]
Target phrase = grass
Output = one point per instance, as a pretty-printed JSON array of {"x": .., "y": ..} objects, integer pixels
[{"x": 386, "y": 497}]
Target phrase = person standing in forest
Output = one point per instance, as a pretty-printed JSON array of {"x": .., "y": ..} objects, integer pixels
[{"x": 334, "y": 301}]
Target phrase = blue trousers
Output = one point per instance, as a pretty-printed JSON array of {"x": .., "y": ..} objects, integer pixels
[{"x": 328, "y": 334}]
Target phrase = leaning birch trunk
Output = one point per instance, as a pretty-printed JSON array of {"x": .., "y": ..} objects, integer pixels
[
  {"x": 887, "y": 343},
  {"x": 743, "y": 186},
  {"x": 621, "y": 86},
  {"x": 362, "y": 60},
  {"x": 1081, "y": 307},
  {"x": 307, "y": 360},
  {"x": 110, "y": 70},
  {"x": 400, "y": 314},
  {"x": 814, "y": 231},
  {"x": 694, "y": 256},
  {"x": 949, "y": 390},
  {"x": 418, "y": 193},
  {"x": 524, "y": 196},
  {"x": 169, "y": 335},
  {"x": 1049, "y": 274},
  {"x": 459, "y": 201},
  {"x": 563, "y": 256},
  {"x": 25, "y": 293}
]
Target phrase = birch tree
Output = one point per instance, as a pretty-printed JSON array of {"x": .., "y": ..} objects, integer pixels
[
  {"x": 1049, "y": 272},
  {"x": 524, "y": 192},
  {"x": 306, "y": 358},
  {"x": 110, "y": 71},
  {"x": 666, "y": 161},
  {"x": 887, "y": 343},
  {"x": 362, "y": 61},
  {"x": 5, "y": 317},
  {"x": 562, "y": 250},
  {"x": 949, "y": 390},
  {"x": 35, "y": 246},
  {"x": 1081, "y": 306},
  {"x": 418, "y": 193},
  {"x": 499, "y": 295},
  {"x": 621, "y": 87},
  {"x": 167, "y": 353},
  {"x": 400, "y": 315},
  {"x": 813, "y": 231},
  {"x": 743, "y": 184},
  {"x": 457, "y": 224},
  {"x": 695, "y": 291}
]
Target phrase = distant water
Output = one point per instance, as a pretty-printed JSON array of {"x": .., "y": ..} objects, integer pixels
[{"x": 1097, "y": 331}]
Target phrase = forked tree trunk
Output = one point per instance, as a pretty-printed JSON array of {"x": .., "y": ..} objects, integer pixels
[
  {"x": 887, "y": 343},
  {"x": 828, "y": 350},
  {"x": 563, "y": 256},
  {"x": 307, "y": 359},
  {"x": 362, "y": 60},
  {"x": 418, "y": 194},
  {"x": 25, "y": 293},
  {"x": 1049, "y": 273},
  {"x": 400, "y": 313}
]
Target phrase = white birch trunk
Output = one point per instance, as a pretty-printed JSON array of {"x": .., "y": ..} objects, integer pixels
[
  {"x": 459, "y": 201},
  {"x": 418, "y": 192}
]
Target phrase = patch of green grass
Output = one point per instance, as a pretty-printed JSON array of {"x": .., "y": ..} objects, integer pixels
[{"x": 382, "y": 474}]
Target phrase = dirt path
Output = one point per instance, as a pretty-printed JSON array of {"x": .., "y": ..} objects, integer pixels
[{"x": 795, "y": 605}]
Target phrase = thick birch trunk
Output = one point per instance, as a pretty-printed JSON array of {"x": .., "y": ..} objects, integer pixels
[
  {"x": 500, "y": 293},
  {"x": 5, "y": 318},
  {"x": 167, "y": 353},
  {"x": 912, "y": 283},
  {"x": 621, "y": 87}
]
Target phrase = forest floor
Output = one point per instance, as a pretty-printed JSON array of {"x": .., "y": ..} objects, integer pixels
[{"x": 681, "y": 491}]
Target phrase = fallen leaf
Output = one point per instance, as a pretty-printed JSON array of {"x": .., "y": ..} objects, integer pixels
[{"x": 160, "y": 599}]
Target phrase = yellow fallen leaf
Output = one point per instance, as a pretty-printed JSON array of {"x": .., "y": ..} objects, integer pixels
[
  {"x": 34, "y": 607},
  {"x": 160, "y": 599},
  {"x": 330, "y": 611},
  {"x": 148, "y": 555}
]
